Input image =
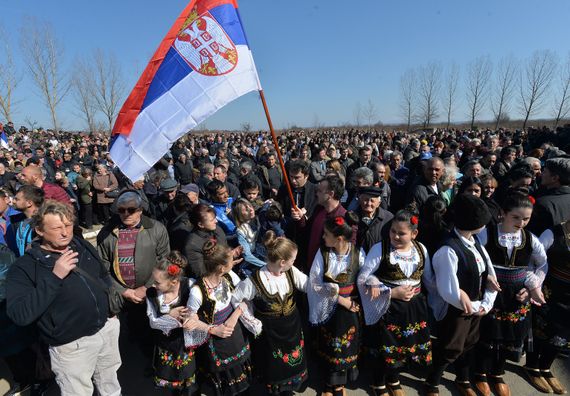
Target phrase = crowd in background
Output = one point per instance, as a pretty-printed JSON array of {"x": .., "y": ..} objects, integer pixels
[{"x": 214, "y": 190}]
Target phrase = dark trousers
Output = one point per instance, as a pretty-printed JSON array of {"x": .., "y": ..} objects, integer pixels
[
  {"x": 86, "y": 215},
  {"x": 458, "y": 334},
  {"x": 22, "y": 365},
  {"x": 104, "y": 213},
  {"x": 542, "y": 356}
]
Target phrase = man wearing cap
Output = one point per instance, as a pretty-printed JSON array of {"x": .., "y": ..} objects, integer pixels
[
  {"x": 374, "y": 224},
  {"x": 192, "y": 191},
  {"x": 162, "y": 206}
]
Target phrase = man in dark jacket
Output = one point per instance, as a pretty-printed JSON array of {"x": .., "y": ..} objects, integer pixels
[
  {"x": 183, "y": 170},
  {"x": 553, "y": 207},
  {"x": 60, "y": 283},
  {"x": 428, "y": 184},
  {"x": 374, "y": 224}
]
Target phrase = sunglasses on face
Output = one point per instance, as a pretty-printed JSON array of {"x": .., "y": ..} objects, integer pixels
[{"x": 127, "y": 210}]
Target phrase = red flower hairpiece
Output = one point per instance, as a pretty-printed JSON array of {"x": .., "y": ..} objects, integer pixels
[
  {"x": 339, "y": 221},
  {"x": 173, "y": 270},
  {"x": 414, "y": 220},
  {"x": 531, "y": 199}
]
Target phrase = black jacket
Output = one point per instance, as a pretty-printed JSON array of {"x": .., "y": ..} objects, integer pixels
[
  {"x": 65, "y": 309},
  {"x": 183, "y": 173},
  {"x": 378, "y": 229},
  {"x": 551, "y": 209},
  {"x": 420, "y": 192},
  {"x": 193, "y": 249}
]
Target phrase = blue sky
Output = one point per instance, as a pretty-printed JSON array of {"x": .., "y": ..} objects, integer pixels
[{"x": 316, "y": 59}]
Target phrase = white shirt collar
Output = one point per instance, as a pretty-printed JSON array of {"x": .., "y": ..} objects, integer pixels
[{"x": 467, "y": 242}]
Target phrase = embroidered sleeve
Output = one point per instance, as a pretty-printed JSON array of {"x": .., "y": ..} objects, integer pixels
[
  {"x": 199, "y": 335},
  {"x": 373, "y": 308},
  {"x": 322, "y": 296},
  {"x": 538, "y": 265},
  {"x": 299, "y": 279},
  {"x": 164, "y": 323},
  {"x": 249, "y": 321}
]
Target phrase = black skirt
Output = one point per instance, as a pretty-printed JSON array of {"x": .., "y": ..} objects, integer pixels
[
  {"x": 506, "y": 327},
  {"x": 279, "y": 353},
  {"x": 174, "y": 364},
  {"x": 552, "y": 320},
  {"x": 339, "y": 344},
  {"x": 402, "y": 335},
  {"x": 225, "y": 364}
]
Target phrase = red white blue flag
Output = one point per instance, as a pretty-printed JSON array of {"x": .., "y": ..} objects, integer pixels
[{"x": 202, "y": 64}]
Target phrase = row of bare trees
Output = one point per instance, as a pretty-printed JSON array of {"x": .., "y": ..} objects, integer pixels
[
  {"x": 96, "y": 82},
  {"x": 430, "y": 92}
]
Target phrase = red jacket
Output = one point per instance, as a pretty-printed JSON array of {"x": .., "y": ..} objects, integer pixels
[{"x": 53, "y": 191}]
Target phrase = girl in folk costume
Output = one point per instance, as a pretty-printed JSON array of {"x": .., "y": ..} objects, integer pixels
[
  {"x": 520, "y": 264},
  {"x": 174, "y": 364},
  {"x": 461, "y": 288},
  {"x": 279, "y": 353},
  {"x": 334, "y": 305},
  {"x": 224, "y": 360},
  {"x": 392, "y": 301},
  {"x": 551, "y": 326}
]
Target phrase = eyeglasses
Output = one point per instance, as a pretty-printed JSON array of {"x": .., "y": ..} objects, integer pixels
[{"x": 127, "y": 210}]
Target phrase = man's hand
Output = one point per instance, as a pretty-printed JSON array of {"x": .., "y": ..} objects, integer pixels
[
  {"x": 465, "y": 303},
  {"x": 65, "y": 263},
  {"x": 297, "y": 214},
  {"x": 141, "y": 292},
  {"x": 131, "y": 295}
]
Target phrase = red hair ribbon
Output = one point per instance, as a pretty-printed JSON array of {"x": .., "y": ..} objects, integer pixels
[
  {"x": 339, "y": 221},
  {"x": 173, "y": 270},
  {"x": 414, "y": 220},
  {"x": 531, "y": 199}
]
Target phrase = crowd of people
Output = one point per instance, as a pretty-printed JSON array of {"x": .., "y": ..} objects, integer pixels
[{"x": 400, "y": 249}]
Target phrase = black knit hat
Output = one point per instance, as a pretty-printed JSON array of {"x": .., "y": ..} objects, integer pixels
[
  {"x": 372, "y": 191},
  {"x": 471, "y": 212}
]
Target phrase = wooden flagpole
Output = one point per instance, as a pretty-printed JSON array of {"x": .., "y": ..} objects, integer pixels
[{"x": 277, "y": 149}]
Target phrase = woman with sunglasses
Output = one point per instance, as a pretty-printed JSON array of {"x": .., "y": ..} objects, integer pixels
[{"x": 130, "y": 245}]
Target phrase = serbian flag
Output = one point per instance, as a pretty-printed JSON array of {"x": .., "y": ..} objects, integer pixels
[{"x": 202, "y": 64}]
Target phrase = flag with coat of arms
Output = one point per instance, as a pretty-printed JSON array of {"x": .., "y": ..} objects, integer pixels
[{"x": 202, "y": 64}]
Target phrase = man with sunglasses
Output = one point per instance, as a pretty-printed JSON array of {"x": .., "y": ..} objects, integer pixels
[{"x": 130, "y": 245}]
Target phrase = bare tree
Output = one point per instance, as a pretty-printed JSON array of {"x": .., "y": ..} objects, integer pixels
[
  {"x": 451, "y": 82},
  {"x": 357, "y": 113},
  {"x": 429, "y": 86},
  {"x": 109, "y": 85},
  {"x": 478, "y": 76},
  {"x": 504, "y": 86},
  {"x": 84, "y": 92},
  {"x": 370, "y": 113},
  {"x": 246, "y": 126},
  {"x": 562, "y": 101},
  {"x": 9, "y": 79},
  {"x": 535, "y": 81},
  {"x": 44, "y": 57},
  {"x": 408, "y": 83}
]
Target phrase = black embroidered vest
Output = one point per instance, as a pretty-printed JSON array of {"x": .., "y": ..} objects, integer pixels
[
  {"x": 208, "y": 307},
  {"x": 467, "y": 271},
  {"x": 183, "y": 294},
  {"x": 520, "y": 256},
  {"x": 559, "y": 253},
  {"x": 389, "y": 273},
  {"x": 273, "y": 304},
  {"x": 346, "y": 280}
]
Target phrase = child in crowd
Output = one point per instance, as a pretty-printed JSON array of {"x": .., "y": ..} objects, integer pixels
[
  {"x": 174, "y": 364},
  {"x": 225, "y": 360},
  {"x": 334, "y": 305},
  {"x": 279, "y": 353},
  {"x": 390, "y": 287},
  {"x": 520, "y": 263},
  {"x": 462, "y": 288}
]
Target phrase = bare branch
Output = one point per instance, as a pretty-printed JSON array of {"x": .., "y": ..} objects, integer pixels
[
  {"x": 562, "y": 101},
  {"x": 109, "y": 84},
  {"x": 429, "y": 80},
  {"x": 504, "y": 87},
  {"x": 535, "y": 81},
  {"x": 357, "y": 114},
  {"x": 408, "y": 83},
  {"x": 9, "y": 79},
  {"x": 370, "y": 113},
  {"x": 44, "y": 56},
  {"x": 478, "y": 76},
  {"x": 451, "y": 83},
  {"x": 84, "y": 92}
]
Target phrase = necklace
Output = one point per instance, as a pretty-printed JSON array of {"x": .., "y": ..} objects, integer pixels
[
  {"x": 220, "y": 291},
  {"x": 408, "y": 257}
]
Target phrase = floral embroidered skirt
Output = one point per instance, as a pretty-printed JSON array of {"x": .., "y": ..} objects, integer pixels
[
  {"x": 507, "y": 325},
  {"x": 339, "y": 345},
  {"x": 279, "y": 353},
  {"x": 174, "y": 364},
  {"x": 225, "y": 365},
  {"x": 552, "y": 320},
  {"x": 402, "y": 334}
]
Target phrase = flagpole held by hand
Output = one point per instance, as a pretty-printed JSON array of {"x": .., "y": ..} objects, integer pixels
[{"x": 277, "y": 149}]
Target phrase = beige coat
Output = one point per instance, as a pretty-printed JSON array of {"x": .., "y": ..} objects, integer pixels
[{"x": 102, "y": 181}]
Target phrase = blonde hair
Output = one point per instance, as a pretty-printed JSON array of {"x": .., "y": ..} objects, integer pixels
[
  {"x": 278, "y": 248},
  {"x": 63, "y": 210}
]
